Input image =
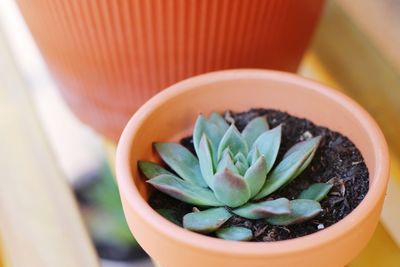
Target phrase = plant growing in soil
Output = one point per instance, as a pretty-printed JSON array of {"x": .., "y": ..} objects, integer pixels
[{"x": 235, "y": 173}]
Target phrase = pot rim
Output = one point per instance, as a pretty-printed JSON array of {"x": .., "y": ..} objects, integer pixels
[{"x": 129, "y": 191}]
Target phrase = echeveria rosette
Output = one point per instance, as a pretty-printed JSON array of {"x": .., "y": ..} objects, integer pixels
[{"x": 232, "y": 170}]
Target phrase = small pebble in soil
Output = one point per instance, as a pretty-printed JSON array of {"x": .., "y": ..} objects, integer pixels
[{"x": 336, "y": 161}]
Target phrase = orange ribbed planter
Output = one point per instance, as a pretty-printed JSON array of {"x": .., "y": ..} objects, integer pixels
[
  {"x": 109, "y": 57},
  {"x": 169, "y": 116}
]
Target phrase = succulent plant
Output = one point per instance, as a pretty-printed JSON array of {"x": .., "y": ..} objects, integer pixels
[{"x": 234, "y": 173}]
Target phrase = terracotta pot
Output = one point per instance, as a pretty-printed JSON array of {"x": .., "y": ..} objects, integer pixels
[
  {"x": 171, "y": 114},
  {"x": 109, "y": 57}
]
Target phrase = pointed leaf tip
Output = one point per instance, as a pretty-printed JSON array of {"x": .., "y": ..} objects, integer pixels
[
  {"x": 293, "y": 163},
  {"x": 240, "y": 167},
  {"x": 241, "y": 163},
  {"x": 235, "y": 233},
  {"x": 226, "y": 162},
  {"x": 310, "y": 146},
  {"x": 206, "y": 221},
  {"x": 306, "y": 146},
  {"x": 231, "y": 189},
  {"x": 301, "y": 210},
  {"x": 241, "y": 158},
  {"x": 264, "y": 209},
  {"x": 217, "y": 120},
  {"x": 253, "y": 155},
  {"x": 198, "y": 130},
  {"x": 254, "y": 129},
  {"x": 184, "y": 191},
  {"x": 233, "y": 140},
  {"x": 214, "y": 130}
]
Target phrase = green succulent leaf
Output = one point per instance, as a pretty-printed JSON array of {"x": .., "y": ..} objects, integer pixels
[
  {"x": 169, "y": 215},
  {"x": 217, "y": 119},
  {"x": 151, "y": 169},
  {"x": 230, "y": 169},
  {"x": 288, "y": 168},
  {"x": 206, "y": 221},
  {"x": 234, "y": 140},
  {"x": 231, "y": 189},
  {"x": 317, "y": 191},
  {"x": 253, "y": 155},
  {"x": 308, "y": 145},
  {"x": 254, "y": 129},
  {"x": 198, "y": 131},
  {"x": 241, "y": 168},
  {"x": 227, "y": 163},
  {"x": 264, "y": 209},
  {"x": 239, "y": 157},
  {"x": 300, "y": 210},
  {"x": 182, "y": 161},
  {"x": 235, "y": 233},
  {"x": 255, "y": 176},
  {"x": 184, "y": 191},
  {"x": 228, "y": 150},
  {"x": 283, "y": 173},
  {"x": 241, "y": 163},
  {"x": 268, "y": 144},
  {"x": 206, "y": 161},
  {"x": 212, "y": 131}
]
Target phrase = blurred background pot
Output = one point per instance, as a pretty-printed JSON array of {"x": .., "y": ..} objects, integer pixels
[
  {"x": 109, "y": 57},
  {"x": 170, "y": 115}
]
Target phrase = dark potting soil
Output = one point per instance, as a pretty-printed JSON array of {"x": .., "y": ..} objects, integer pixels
[{"x": 337, "y": 160}]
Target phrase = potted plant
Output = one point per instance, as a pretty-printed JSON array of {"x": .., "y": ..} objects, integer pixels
[
  {"x": 109, "y": 57},
  {"x": 169, "y": 117}
]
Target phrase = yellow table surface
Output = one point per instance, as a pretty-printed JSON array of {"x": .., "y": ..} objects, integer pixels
[{"x": 382, "y": 250}]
